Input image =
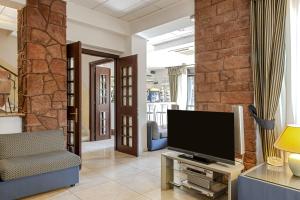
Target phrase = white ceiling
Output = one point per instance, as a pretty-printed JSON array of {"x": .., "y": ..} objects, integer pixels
[
  {"x": 8, "y": 18},
  {"x": 128, "y": 10}
]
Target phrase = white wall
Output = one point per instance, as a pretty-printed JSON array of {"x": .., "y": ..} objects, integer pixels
[
  {"x": 8, "y": 49},
  {"x": 139, "y": 47}
]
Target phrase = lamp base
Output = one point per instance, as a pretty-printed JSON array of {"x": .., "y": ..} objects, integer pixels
[{"x": 294, "y": 163}]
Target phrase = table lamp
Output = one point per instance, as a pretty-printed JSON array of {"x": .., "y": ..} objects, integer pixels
[{"x": 289, "y": 141}]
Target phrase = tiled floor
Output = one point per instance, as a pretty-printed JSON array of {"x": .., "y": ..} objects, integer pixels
[{"x": 110, "y": 175}]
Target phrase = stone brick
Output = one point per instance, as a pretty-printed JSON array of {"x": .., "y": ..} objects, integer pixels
[
  {"x": 36, "y": 51},
  {"x": 3, "y": 74},
  {"x": 35, "y": 19},
  {"x": 203, "y": 3},
  {"x": 237, "y": 62},
  {"x": 48, "y": 77},
  {"x": 211, "y": 66},
  {"x": 5, "y": 86},
  {"x": 237, "y": 86},
  {"x": 38, "y": 36},
  {"x": 61, "y": 82},
  {"x": 39, "y": 66},
  {"x": 50, "y": 87},
  {"x": 48, "y": 122},
  {"x": 32, "y": 120},
  {"x": 207, "y": 56},
  {"x": 34, "y": 84},
  {"x": 57, "y": 105},
  {"x": 59, "y": 7},
  {"x": 55, "y": 51},
  {"x": 250, "y": 157},
  {"x": 57, "y": 32},
  {"x": 244, "y": 74},
  {"x": 212, "y": 77},
  {"x": 46, "y": 2},
  {"x": 40, "y": 104},
  {"x": 62, "y": 118},
  {"x": 227, "y": 75},
  {"x": 33, "y": 3},
  {"x": 60, "y": 96},
  {"x": 225, "y": 6},
  {"x": 209, "y": 97},
  {"x": 58, "y": 66},
  {"x": 250, "y": 140},
  {"x": 45, "y": 11},
  {"x": 208, "y": 12},
  {"x": 237, "y": 97},
  {"x": 52, "y": 114},
  {"x": 57, "y": 19},
  {"x": 245, "y": 50}
]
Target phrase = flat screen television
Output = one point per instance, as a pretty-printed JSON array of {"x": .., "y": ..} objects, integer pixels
[{"x": 207, "y": 135}]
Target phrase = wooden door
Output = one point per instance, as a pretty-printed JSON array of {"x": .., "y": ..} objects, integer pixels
[
  {"x": 126, "y": 106},
  {"x": 74, "y": 97},
  {"x": 102, "y": 91},
  {"x": 93, "y": 96}
]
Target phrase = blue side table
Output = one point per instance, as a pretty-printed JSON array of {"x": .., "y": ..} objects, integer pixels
[{"x": 266, "y": 182}]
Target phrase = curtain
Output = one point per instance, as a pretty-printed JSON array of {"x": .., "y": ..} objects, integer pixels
[
  {"x": 293, "y": 63},
  {"x": 174, "y": 73},
  {"x": 267, "y": 38},
  {"x": 182, "y": 90}
]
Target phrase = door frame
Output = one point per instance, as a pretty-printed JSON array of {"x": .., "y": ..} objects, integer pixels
[{"x": 92, "y": 109}]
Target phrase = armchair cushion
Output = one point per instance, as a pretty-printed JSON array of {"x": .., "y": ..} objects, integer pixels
[
  {"x": 24, "y": 144},
  {"x": 24, "y": 166}
]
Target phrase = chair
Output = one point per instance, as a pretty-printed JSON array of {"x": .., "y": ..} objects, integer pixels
[{"x": 156, "y": 137}]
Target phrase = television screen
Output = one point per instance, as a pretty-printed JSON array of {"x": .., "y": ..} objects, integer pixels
[{"x": 208, "y": 135}]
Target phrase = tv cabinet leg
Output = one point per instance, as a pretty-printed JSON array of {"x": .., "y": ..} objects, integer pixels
[{"x": 167, "y": 173}]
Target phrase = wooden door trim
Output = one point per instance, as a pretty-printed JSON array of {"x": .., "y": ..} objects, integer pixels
[
  {"x": 92, "y": 107},
  {"x": 99, "y": 53},
  {"x": 77, "y": 87}
]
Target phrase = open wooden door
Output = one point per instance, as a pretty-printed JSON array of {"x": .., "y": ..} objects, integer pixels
[
  {"x": 100, "y": 110},
  {"x": 74, "y": 98},
  {"x": 126, "y": 105}
]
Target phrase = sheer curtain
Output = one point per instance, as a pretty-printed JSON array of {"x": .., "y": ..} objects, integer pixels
[
  {"x": 288, "y": 111},
  {"x": 292, "y": 75},
  {"x": 182, "y": 90}
]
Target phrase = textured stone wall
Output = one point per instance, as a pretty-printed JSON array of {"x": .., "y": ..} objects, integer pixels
[
  {"x": 223, "y": 73},
  {"x": 5, "y": 86},
  {"x": 42, "y": 64}
]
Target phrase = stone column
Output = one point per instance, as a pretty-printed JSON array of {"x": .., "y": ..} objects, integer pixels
[{"x": 42, "y": 64}]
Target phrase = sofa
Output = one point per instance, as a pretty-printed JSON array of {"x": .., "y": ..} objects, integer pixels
[
  {"x": 157, "y": 137},
  {"x": 32, "y": 163}
]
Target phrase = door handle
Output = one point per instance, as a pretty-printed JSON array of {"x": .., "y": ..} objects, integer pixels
[{"x": 76, "y": 114}]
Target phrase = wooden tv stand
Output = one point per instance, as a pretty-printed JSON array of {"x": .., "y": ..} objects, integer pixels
[{"x": 231, "y": 172}]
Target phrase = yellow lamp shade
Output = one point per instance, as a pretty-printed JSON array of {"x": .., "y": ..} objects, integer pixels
[{"x": 289, "y": 140}]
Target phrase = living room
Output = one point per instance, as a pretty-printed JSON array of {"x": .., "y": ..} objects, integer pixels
[{"x": 245, "y": 82}]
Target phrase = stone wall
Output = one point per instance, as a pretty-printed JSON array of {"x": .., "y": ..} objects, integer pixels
[
  {"x": 5, "y": 86},
  {"x": 223, "y": 73},
  {"x": 42, "y": 64}
]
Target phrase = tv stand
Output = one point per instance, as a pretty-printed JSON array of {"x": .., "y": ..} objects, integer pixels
[
  {"x": 228, "y": 174},
  {"x": 196, "y": 159}
]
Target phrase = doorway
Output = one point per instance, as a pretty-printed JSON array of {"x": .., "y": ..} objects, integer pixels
[
  {"x": 100, "y": 111},
  {"x": 102, "y": 99}
]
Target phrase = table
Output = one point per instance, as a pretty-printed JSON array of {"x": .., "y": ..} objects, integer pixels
[{"x": 266, "y": 182}]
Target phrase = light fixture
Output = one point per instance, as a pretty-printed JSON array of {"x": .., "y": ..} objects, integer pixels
[
  {"x": 192, "y": 18},
  {"x": 289, "y": 141}
]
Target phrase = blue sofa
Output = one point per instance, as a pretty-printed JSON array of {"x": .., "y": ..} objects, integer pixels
[
  {"x": 32, "y": 163},
  {"x": 156, "y": 137}
]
